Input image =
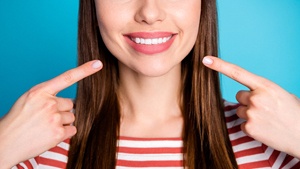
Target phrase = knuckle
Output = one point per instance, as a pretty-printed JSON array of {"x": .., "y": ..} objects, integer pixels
[
  {"x": 75, "y": 130},
  {"x": 251, "y": 114},
  {"x": 72, "y": 117},
  {"x": 70, "y": 103},
  {"x": 235, "y": 74},
  {"x": 68, "y": 77},
  {"x": 240, "y": 111},
  {"x": 55, "y": 118},
  {"x": 248, "y": 127},
  {"x": 51, "y": 105},
  {"x": 34, "y": 92},
  {"x": 254, "y": 99},
  {"x": 72, "y": 131},
  {"x": 59, "y": 134}
]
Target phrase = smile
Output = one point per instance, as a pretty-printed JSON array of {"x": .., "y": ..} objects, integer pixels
[{"x": 152, "y": 41}]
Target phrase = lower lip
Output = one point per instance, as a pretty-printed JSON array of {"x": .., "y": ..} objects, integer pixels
[{"x": 150, "y": 49}]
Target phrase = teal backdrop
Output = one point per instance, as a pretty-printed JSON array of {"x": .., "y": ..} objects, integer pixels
[{"x": 38, "y": 42}]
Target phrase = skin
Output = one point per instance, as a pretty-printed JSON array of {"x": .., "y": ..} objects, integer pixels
[
  {"x": 148, "y": 86},
  {"x": 271, "y": 113},
  {"x": 148, "y": 16},
  {"x": 39, "y": 120},
  {"x": 149, "y": 83}
]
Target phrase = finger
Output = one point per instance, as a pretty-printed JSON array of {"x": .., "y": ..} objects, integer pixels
[
  {"x": 296, "y": 97},
  {"x": 67, "y": 118},
  {"x": 241, "y": 112},
  {"x": 64, "y": 104},
  {"x": 236, "y": 73},
  {"x": 243, "y": 97},
  {"x": 243, "y": 128},
  {"x": 72, "y": 76},
  {"x": 69, "y": 131}
]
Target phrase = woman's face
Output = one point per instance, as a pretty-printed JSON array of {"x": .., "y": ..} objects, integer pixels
[{"x": 150, "y": 37}]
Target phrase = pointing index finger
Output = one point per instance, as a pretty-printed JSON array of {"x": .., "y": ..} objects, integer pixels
[
  {"x": 72, "y": 76},
  {"x": 234, "y": 72}
]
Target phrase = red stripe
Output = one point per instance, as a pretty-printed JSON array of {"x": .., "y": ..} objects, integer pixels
[
  {"x": 149, "y": 150},
  {"x": 274, "y": 157},
  {"x": 149, "y": 163},
  {"x": 231, "y": 107},
  {"x": 67, "y": 141},
  {"x": 150, "y": 139},
  {"x": 231, "y": 118},
  {"x": 19, "y": 166},
  {"x": 234, "y": 129},
  {"x": 28, "y": 164},
  {"x": 245, "y": 139},
  {"x": 297, "y": 166},
  {"x": 248, "y": 152},
  {"x": 51, "y": 162},
  {"x": 258, "y": 164},
  {"x": 286, "y": 160},
  {"x": 59, "y": 150}
]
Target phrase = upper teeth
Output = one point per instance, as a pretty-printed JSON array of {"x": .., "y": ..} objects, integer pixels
[{"x": 153, "y": 41}]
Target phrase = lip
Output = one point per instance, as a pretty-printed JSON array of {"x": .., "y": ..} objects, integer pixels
[{"x": 153, "y": 48}]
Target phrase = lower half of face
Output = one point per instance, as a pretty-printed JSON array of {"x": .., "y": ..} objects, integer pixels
[{"x": 149, "y": 37}]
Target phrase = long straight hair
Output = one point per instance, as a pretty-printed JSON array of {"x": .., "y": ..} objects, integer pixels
[{"x": 206, "y": 142}]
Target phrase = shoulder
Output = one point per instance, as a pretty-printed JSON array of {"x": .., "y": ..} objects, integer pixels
[
  {"x": 56, "y": 157},
  {"x": 250, "y": 153}
]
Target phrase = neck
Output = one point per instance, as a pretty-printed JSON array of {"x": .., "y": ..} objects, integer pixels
[{"x": 142, "y": 95}]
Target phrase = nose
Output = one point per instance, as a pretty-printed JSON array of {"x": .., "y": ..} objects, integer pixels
[{"x": 150, "y": 12}]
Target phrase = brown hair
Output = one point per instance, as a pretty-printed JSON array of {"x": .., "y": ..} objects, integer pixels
[{"x": 206, "y": 142}]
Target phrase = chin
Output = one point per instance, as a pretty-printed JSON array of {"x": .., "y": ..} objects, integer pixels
[{"x": 159, "y": 71}]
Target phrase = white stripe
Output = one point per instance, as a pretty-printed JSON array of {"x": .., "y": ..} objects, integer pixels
[
  {"x": 14, "y": 167},
  {"x": 64, "y": 145},
  {"x": 256, "y": 157},
  {"x": 47, "y": 167},
  {"x": 291, "y": 163},
  {"x": 230, "y": 113},
  {"x": 245, "y": 146},
  {"x": 121, "y": 167},
  {"x": 54, "y": 156},
  {"x": 23, "y": 165},
  {"x": 234, "y": 123},
  {"x": 33, "y": 163},
  {"x": 237, "y": 135},
  {"x": 150, "y": 157},
  {"x": 226, "y": 103},
  {"x": 150, "y": 144},
  {"x": 279, "y": 160}
]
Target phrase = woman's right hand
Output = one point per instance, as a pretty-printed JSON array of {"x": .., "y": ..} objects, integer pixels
[{"x": 39, "y": 120}]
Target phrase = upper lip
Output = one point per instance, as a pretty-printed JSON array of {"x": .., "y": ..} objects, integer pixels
[{"x": 149, "y": 35}]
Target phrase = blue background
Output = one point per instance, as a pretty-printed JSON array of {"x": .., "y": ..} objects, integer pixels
[{"x": 38, "y": 42}]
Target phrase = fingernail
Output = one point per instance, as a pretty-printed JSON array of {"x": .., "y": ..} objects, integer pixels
[
  {"x": 97, "y": 64},
  {"x": 207, "y": 61}
]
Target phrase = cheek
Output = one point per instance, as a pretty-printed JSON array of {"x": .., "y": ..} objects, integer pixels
[
  {"x": 109, "y": 27},
  {"x": 109, "y": 17},
  {"x": 188, "y": 15}
]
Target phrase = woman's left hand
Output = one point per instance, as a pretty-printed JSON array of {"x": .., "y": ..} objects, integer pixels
[{"x": 272, "y": 114}]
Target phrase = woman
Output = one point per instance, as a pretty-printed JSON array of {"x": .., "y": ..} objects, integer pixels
[{"x": 153, "y": 88}]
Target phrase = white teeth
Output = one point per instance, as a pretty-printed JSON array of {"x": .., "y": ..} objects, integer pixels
[{"x": 154, "y": 41}]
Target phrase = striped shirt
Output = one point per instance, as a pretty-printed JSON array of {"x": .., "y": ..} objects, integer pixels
[
  {"x": 158, "y": 153},
  {"x": 150, "y": 152}
]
